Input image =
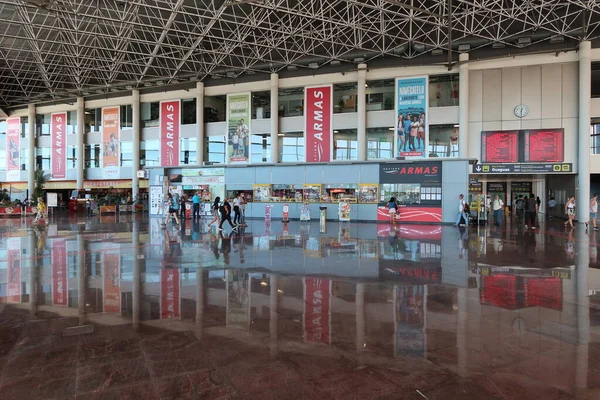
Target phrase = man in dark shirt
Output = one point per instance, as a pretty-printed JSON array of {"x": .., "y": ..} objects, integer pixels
[
  {"x": 226, "y": 214},
  {"x": 531, "y": 209}
]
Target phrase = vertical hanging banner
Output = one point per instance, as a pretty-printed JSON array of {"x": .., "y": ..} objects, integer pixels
[
  {"x": 60, "y": 277},
  {"x": 169, "y": 133},
  {"x": 317, "y": 310},
  {"x": 318, "y": 116},
  {"x": 238, "y": 128},
  {"x": 13, "y": 273},
  {"x": 110, "y": 142},
  {"x": 170, "y": 298},
  {"x": 13, "y": 149},
  {"x": 412, "y": 133},
  {"x": 58, "y": 131},
  {"x": 112, "y": 283}
]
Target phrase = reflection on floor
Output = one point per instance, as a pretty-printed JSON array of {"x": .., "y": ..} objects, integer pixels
[{"x": 284, "y": 311}]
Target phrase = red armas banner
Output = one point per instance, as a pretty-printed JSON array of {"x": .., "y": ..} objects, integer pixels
[
  {"x": 58, "y": 133},
  {"x": 169, "y": 133},
  {"x": 318, "y": 117}
]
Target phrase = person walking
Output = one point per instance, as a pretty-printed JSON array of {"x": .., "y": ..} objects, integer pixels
[
  {"x": 393, "y": 209},
  {"x": 462, "y": 211},
  {"x": 531, "y": 209},
  {"x": 195, "y": 206},
  {"x": 520, "y": 204},
  {"x": 593, "y": 212},
  {"x": 173, "y": 202},
  {"x": 214, "y": 209},
  {"x": 570, "y": 211},
  {"x": 182, "y": 207},
  {"x": 243, "y": 210},
  {"x": 498, "y": 209},
  {"x": 225, "y": 210},
  {"x": 237, "y": 202},
  {"x": 551, "y": 207}
]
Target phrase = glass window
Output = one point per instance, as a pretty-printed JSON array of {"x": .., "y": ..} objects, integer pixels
[
  {"x": 443, "y": 90},
  {"x": 344, "y": 97},
  {"x": 380, "y": 95},
  {"x": 291, "y": 147},
  {"x": 43, "y": 158},
  {"x": 92, "y": 156},
  {"x": 71, "y": 157},
  {"x": 291, "y": 102},
  {"x": 150, "y": 153},
  {"x": 345, "y": 144},
  {"x": 188, "y": 151},
  {"x": 42, "y": 124},
  {"x": 93, "y": 120},
  {"x": 443, "y": 141},
  {"x": 380, "y": 143},
  {"x": 126, "y": 154},
  {"x": 261, "y": 105},
  {"x": 24, "y": 159},
  {"x": 126, "y": 116},
  {"x": 2, "y": 160},
  {"x": 216, "y": 149},
  {"x": 595, "y": 137},
  {"x": 2, "y": 127},
  {"x": 71, "y": 122},
  {"x": 214, "y": 108},
  {"x": 595, "y": 79},
  {"x": 24, "y": 127},
  {"x": 405, "y": 193},
  {"x": 149, "y": 113},
  {"x": 260, "y": 149},
  {"x": 188, "y": 111}
]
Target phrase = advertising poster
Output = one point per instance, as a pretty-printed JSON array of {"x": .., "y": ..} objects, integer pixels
[
  {"x": 238, "y": 128},
  {"x": 344, "y": 211},
  {"x": 169, "y": 133},
  {"x": 412, "y": 133},
  {"x": 58, "y": 134},
  {"x": 409, "y": 318},
  {"x": 112, "y": 283},
  {"x": 170, "y": 289},
  {"x": 13, "y": 273},
  {"x": 238, "y": 298},
  {"x": 60, "y": 277},
  {"x": 317, "y": 310},
  {"x": 318, "y": 115},
  {"x": 110, "y": 142},
  {"x": 13, "y": 149}
]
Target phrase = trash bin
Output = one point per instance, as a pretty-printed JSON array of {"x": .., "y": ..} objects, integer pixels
[{"x": 322, "y": 219}]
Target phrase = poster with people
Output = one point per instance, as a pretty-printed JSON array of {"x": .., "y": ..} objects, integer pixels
[
  {"x": 13, "y": 149},
  {"x": 238, "y": 128},
  {"x": 411, "y": 117},
  {"x": 110, "y": 142}
]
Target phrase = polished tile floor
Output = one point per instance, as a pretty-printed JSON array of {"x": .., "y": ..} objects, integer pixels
[{"x": 352, "y": 311}]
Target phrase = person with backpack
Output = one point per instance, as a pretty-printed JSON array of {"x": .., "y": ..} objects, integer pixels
[
  {"x": 462, "y": 211},
  {"x": 531, "y": 210},
  {"x": 173, "y": 208},
  {"x": 215, "y": 212},
  {"x": 520, "y": 203},
  {"x": 225, "y": 211}
]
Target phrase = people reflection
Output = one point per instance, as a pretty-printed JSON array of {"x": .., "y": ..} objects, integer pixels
[
  {"x": 225, "y": 247},
  {"x": 172, "y": 243}
]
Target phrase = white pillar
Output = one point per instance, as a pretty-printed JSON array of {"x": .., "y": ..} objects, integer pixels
[
  {"x": 135, "y": 115},
  {"x": 539, "y": 189},
  {"x": 80, "y": 142},
  {"x": 31, "y": 150},
  {"x": 463, "y": 105},
  {"x": 137, "y": 277},
  {"x": 275, "y": 118},
  {"x": 200, "y": 134},
  {"x": 361, "y": 136},
  {"x": 582, "y": 323},
  {"x": 81, "y": 288},
  {"x": 360, "y": 317},
  {"x": 583, "y": 169}
]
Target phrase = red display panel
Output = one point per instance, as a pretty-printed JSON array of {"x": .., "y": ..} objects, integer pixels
[
  {"x": 544, "y": 145},
  {"x": 500, "y": 147}
]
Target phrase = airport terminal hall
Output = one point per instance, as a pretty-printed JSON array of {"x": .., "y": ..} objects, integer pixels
[{"x": 299, "y": 199}]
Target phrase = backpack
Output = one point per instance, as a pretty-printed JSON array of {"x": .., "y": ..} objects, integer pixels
[{"x": 222, "y": 209}]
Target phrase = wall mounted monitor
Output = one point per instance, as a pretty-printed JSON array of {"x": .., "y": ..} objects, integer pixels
[{"x": 500, "y": 147}]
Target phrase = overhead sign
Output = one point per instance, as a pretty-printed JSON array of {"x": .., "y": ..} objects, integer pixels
[
  {"x": 58, "y": 134},
  {"x": 110, "y": 142},
  {"x": 412, "y": 116},
  {"x": 169, "y": 133},
  {"x": 318, "y": 123},
  {"x": 501, "y": 146},
  {"x": 13, "y": 149},
  {"x": 563, "y": 168},
  {"x": 238, "y": 127}
]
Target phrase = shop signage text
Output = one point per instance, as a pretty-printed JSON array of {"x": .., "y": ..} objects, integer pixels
[
  {"x": 169, "y": 133},
  {"x": 421, "y": 172},
  {"x": 59, "y": 145},
  {"x": 318, "y": 116},
  {"x": 523, "y": 168}
]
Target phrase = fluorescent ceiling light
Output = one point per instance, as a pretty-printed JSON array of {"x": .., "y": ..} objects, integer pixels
[
  {"x": 292, "y": 68},
  {"x": 359, "y": 59},
  {"x": 498, "y": 45},
  {"x": 557, "y": 39},
  {"x": 313, "y": 65},
  {"x": 464, "y": 47},
  {"x": 335, "y": 62},
  {"x": 437, "y": 52},
  {"x": 524, "y": 40}
]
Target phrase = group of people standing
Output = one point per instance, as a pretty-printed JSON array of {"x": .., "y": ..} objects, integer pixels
[{"x": 411, "y": 129}]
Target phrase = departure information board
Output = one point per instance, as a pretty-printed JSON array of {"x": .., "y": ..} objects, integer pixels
[
  {"x": 500, "y": 147},
  {"x": 544, "y": 145}
]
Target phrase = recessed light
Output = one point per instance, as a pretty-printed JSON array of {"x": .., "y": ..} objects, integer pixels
[
  {"x": 437, "y": 52},
  {"x": 335, "y": 62},
  {"x": 464, "y": 47},
  {"x": 292, "y": 68},
  {"x": 498, "y": 45}
]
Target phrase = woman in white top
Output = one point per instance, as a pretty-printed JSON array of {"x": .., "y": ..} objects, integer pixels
[
  {"x": 570, "y": 211},
  {"x": 593, "y": 211}
]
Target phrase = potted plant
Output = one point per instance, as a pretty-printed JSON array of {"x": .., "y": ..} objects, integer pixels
[{"x": 108, "y": 204}]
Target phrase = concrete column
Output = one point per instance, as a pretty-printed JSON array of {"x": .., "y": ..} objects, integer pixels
[
  {"x": 136, "y": 117},
  {"x": 275, "y": 118},
  {"x": 585, "y": 93},
  {"x": 583, "y": 304},
  {"x": 80, "y": 142},
  {"x": 463, "y": 106},
  {"x": 82, "y": 290},
  {"x": 360, "y": 317},
  {"x": 137, "y": 278},
  {"x": 31, "y": 150},
  {"x": 274, "y": 317},
  {"x": 361, "y": 136},
  {"x": 200, "y": 131},
  {"x": 539, "y": 189}
]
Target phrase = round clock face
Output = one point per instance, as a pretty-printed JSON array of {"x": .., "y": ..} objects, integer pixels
[{"x": 521, "y": 110}]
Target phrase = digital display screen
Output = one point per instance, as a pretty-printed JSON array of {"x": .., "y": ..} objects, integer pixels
[
  {"x": 544, "y": 145},
  {"x": 500, "y": 147}
]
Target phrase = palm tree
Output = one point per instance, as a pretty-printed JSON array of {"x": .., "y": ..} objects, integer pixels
[{"x": 40, "y": 180}]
